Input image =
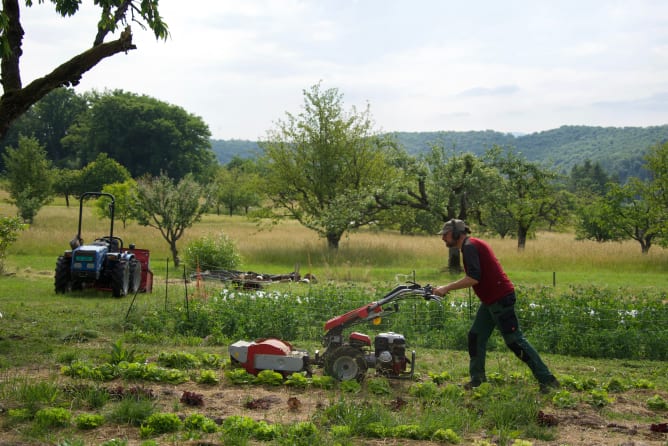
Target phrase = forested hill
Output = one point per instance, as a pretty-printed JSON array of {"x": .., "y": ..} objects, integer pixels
[{"x": 619, "y": 150}]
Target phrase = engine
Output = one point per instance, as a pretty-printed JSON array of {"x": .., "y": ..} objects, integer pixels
[{"x": 390, "y": 352}]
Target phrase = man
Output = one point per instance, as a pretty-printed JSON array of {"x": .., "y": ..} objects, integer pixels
[{"x": 497, "y": 295}]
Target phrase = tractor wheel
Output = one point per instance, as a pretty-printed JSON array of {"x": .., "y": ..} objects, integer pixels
[
  {"x": 62, "y": 280},
  {"x": 346, "y": 363},
  {"x": 120, "y": 279},
  {"x": 135, "y": 275}
]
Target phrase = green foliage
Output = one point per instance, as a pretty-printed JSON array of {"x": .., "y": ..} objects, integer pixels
[
  {"x": 125, "y": 200},
  {"x": 326, "y": 168},
  {"x": 132, "y": 128},
  {"x": 446, "y": 436},
  {"x": 53, "y": 417},
  {"x": 171, "y": 208},
  {"x": 378, "y": 386},
  {"x": 239, "y": 376},
  {"x": 132, "y": 411},
  {"x": 302, "y": 433},
  {"x": 657, "y": 402},
  {"x": 29, "y": 177},
  {"x": 199, "y": 422},
  {"x": 350, "y": 386},
  {"x": 297, "y": 380},
  {"x": 439, "y": 378},
  {"x": 162, "y": 423},
  {"x": 599, "y": 398},
  {"x": 207, "y": 377},
  {"x": 100, "y": 172},
  {"x": 179, "y": 360},
  {"x": 10, "y": 227},
  {"x": 564, "y": 399},
  {"x": 120, "y": 354},
  {"x": 86, "y": 421},
  {"x": 269, "y": 378},
  {"x": 212, "y": 253}
]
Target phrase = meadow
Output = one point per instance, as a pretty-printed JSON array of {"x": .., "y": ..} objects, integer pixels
[{"x": 90, "y": 369}]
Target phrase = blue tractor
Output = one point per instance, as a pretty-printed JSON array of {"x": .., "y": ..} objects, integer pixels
[{"x": 105, "y": 264}]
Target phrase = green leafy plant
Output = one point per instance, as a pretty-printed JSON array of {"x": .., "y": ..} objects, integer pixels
[
  {"x": 269, "y": 377},
  {"x": 378, "y": 386},
  {"x": 212, "y": 253},
  {"x": 350, "y": 386},
  {"x": 239, "y": 376},
  {"x": 178, "y": 360},
  {"x": 425, "y": 390},
  {"x": 440, "y": 378},
  {"x": 565, "y": 400},
  {"x": 199, "y": 422},
  {"x": 446, "y": 435},
  {"x": 53, "y": 417},
  {"x": 163, "y": 422},
  {"x": 599, "y": 398},
  {"x": 297, "y": 380},
  {"x": 86, "y": 421},
  {"x": 207, "y": 377},
  {"x": 657, "y": 402},
  {"x": 132, "y": 411},
  {"x": 323, "y": 381}
]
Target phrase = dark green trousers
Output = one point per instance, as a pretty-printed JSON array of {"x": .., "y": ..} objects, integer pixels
[{"x": 502, "y": 315}]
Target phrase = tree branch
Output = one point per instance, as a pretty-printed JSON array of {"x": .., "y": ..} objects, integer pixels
[{"x": 16, "y": 101}]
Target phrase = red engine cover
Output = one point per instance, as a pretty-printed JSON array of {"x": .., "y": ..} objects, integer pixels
[{"x": 269, "y": 346}]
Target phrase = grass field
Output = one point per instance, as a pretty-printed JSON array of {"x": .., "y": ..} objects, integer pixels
[{"x": 602, "y": 401}]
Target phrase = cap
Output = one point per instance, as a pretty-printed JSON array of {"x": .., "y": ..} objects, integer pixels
[{"x": 455, "y": 224}]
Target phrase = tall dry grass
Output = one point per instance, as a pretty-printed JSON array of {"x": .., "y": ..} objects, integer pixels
[{"x": 363, "y": 255}]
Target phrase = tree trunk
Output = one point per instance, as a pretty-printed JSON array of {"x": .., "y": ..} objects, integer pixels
[
  {"x": 521, "y": 237},
  {"x": 333, "y": 240},
  {"x": 175, "y": 252}
]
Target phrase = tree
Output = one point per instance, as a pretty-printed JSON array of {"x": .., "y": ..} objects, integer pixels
[
  {"x": 9, "y": 232},
  {"x": 100, "y": 172},
  {"x": 171, "y": 208},
  {"x": 17, "y": 98},
  {"x": 48, "y": 121},
  {"x": 657, "y": 165},
  {"x": 451, "y": 185},
  {"x": 635, "y": 214},
  {"x": 327, "y": 168},
  {"x": 29, "y": 177},
  {"x": 236, "y": 188},
  {"x": 526, "y": 193},
  {"x": 125, "y": 201},
  {"x": 144, "y": 134}
]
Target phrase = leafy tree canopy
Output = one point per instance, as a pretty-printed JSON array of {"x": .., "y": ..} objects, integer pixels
[
  {"x": 17, "y": 97},
  {"x": 326, "y": 167},
  {"x": 144, "y": 134}
]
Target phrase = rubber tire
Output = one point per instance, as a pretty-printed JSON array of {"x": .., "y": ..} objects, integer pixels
[
  {"x": 135, "y": 275},
  {"x": 346, "y": 363},
  {"x": 120, "y": 279},
  {"x": 62, "y": 281}
]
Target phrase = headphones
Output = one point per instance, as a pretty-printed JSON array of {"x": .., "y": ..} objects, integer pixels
[{"x": 456, "y": 232}]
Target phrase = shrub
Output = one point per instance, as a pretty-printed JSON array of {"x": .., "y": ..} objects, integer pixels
[{"x": 212, "y": 253}]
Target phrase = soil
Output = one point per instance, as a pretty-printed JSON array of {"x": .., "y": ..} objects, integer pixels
[{"x": 583, "y": 426}]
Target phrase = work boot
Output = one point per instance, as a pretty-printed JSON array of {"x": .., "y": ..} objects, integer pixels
[
  {"x": 472, "y": 384},
  {"x": 549, "y": 385}
]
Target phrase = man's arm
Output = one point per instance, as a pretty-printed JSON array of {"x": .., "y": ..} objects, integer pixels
[{"x": 464, "y": 282}]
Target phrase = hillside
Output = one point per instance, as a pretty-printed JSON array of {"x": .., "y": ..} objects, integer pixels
[{"x": 619, "y": 150}]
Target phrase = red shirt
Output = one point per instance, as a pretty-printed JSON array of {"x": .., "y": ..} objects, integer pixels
[{"x": 481, "y": 264}]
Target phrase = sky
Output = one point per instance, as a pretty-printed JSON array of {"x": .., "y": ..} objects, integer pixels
[{"x": 420, "y": 65}]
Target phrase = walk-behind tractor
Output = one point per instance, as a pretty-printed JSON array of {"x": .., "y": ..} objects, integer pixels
[
  {"x": 105, "y": 264},
  {"x": 343, "y": 358}
]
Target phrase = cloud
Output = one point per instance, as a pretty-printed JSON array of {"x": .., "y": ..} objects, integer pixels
[{"x": 502, "y": 90}]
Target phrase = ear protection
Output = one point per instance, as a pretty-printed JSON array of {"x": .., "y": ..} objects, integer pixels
[{"x": 455, "y": 232}]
